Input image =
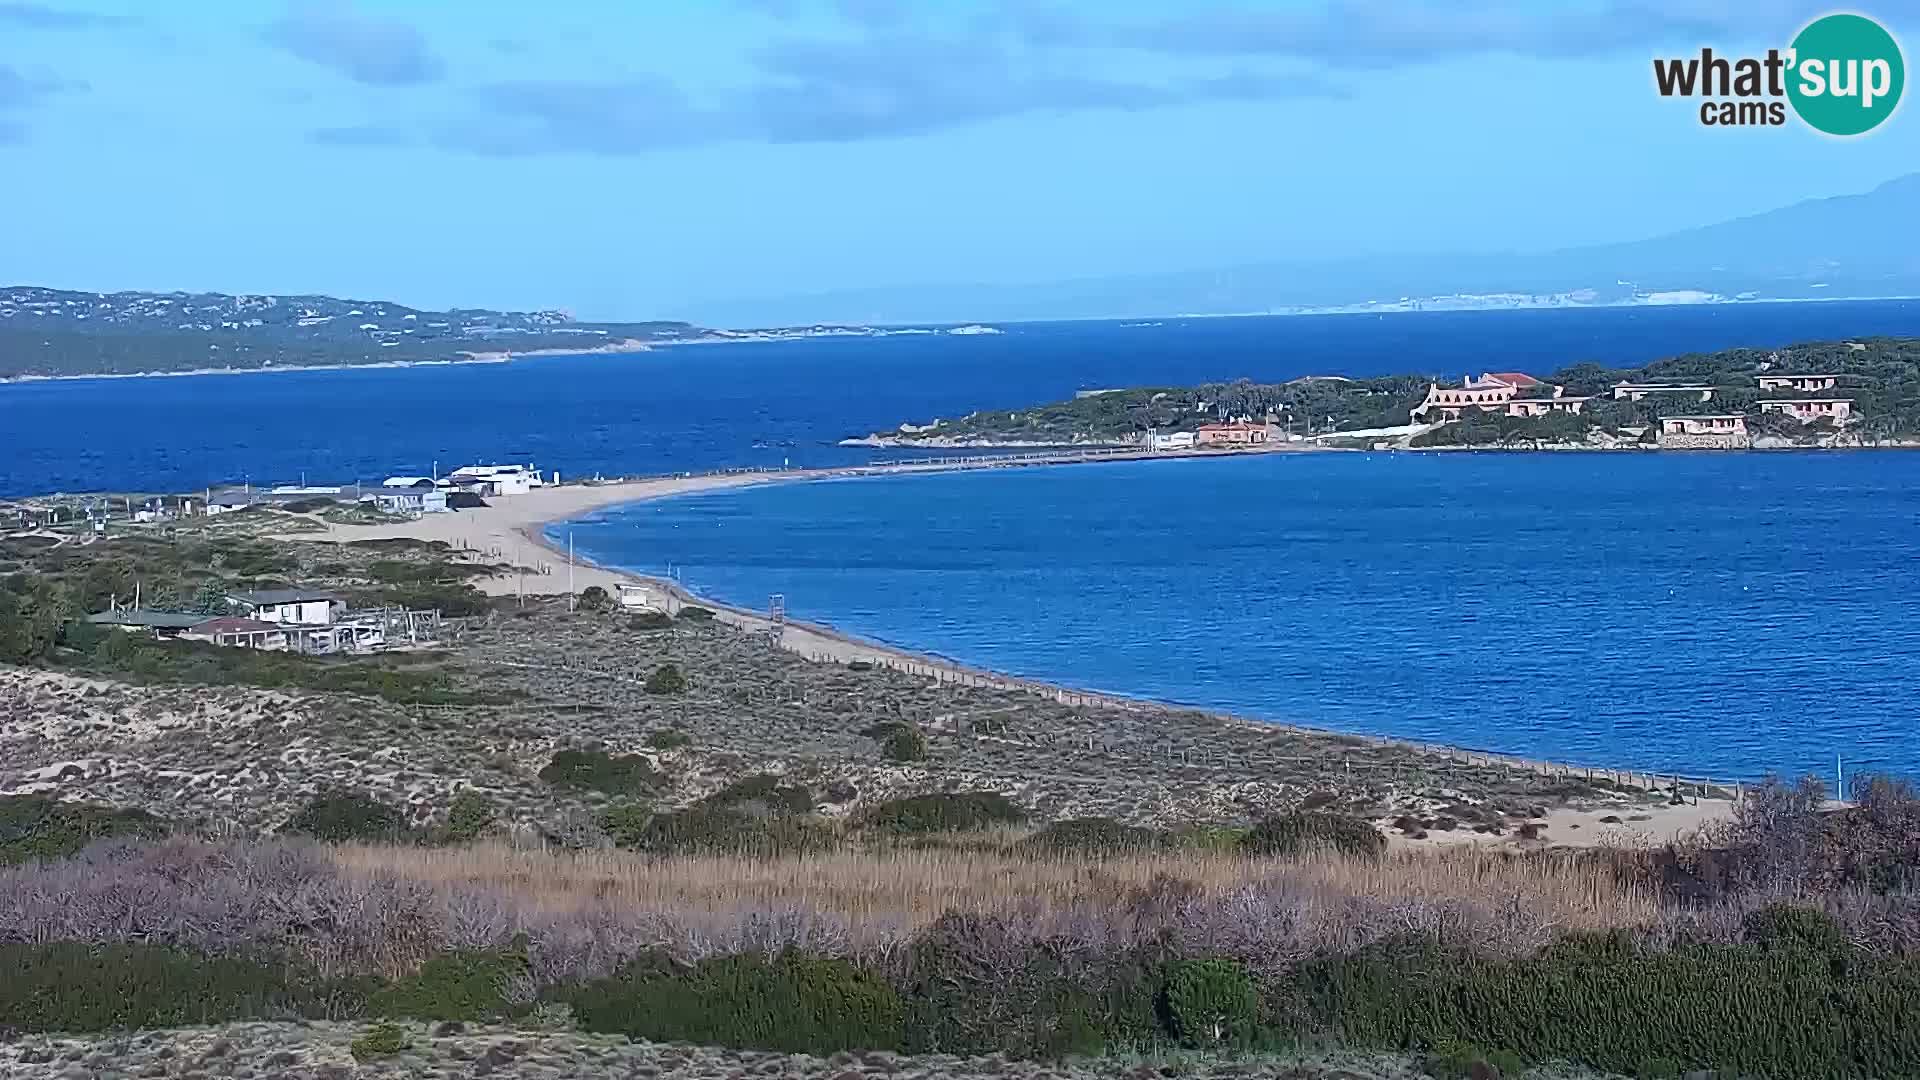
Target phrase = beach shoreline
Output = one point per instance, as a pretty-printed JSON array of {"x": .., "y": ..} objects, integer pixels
[{"x": 515, "y": 530}]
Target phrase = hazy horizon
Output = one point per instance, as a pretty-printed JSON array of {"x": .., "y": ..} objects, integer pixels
[{"x": 633, "y": 163}]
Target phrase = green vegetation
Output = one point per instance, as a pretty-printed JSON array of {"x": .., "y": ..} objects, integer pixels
[
  {"x": 650, "y": 620},
  {"x": 380, "y": 1040},
  {"x": 944, "y": 812},
  {"x": 1211, "y": 1003},
  {"x": 668, "y": 739},
  {"x": 77, "y": 986},
  {"x": 1880, "y": 375},
  {"x": 1298, "y": 834},
  {"x": 666, "y": 679},
  {"x": 346, "y": 816},
  {"x": 597, "y": 770},
  {"x": 33, "y": 827},
  {"x": 793, "y": 1002},
  {"x": 1093, "y": 836},
  {"x": 595, "y": 600},
  {"x": 461, "y": 985},
  {"x": 898, "y": 741},
  {"x": 470, "y": 815}
]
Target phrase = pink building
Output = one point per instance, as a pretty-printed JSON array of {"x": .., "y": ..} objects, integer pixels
[
  {"x": 1635, "y": 391},
  {"x": 1807, "y": 410},
  {"x": 1237, "y": 433},
  {"x": 1806, "y": 384}
]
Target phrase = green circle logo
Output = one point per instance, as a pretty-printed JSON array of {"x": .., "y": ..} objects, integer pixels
[{"x": 1847, "y": 74}]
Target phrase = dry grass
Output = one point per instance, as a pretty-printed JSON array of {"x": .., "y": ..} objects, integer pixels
[{"x": 912, "y": 887}]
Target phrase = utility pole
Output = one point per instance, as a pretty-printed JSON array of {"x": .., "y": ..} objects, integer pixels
[{"x": 570, "y": 593}]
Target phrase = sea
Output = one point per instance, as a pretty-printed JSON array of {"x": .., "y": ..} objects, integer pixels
[{"x": 1709, "y": 615}]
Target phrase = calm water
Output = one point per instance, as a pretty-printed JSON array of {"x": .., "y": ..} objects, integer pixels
[
  {"x": 1726, "y": 615},
  {"x": 714, "y": 406},
  {"x": 1722, "y": 614}
]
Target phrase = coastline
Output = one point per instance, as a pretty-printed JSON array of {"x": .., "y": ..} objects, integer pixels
[{"x": 514, "y": 530}]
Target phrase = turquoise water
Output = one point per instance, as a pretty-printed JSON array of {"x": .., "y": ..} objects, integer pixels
[{"x": 1726, "y": 615}]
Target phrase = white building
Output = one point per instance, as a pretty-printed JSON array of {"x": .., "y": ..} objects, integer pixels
[
  {"x": 1179, "y": 440},
  {"x": 499, "y": 479},
  {"x": 307, "y": 607}
]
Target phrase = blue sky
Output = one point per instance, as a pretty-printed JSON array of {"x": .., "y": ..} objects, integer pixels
[{"x": 637, "y": 158}]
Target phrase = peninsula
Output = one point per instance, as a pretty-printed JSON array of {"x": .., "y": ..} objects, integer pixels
[{"x": 1824, "y": 394}]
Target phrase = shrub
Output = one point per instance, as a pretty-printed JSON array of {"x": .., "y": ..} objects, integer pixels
[
  {"x": 343, "y": 816},
  {"x": 378, "y": 1041},
  {"x": 595, "y": 600},
  {"x": 597, "y": 770},
  {"x": 943, "y": 812},
  {"x": 1210, "y": 1003},
  {"x": 1297, "y": 834},
  {"x": 704, "y": 829},
  {"x": 1465, "y": 1061},
  {"x": 792, "y": 1002},
  {"x": 668, "y": 739},
  {"x": 650, "y": 620},
  {"x": 898, "y": 741},
  {"x": 1791, "y": 926},
  {"x": 1091, "y": 836},
  {"x": 696, "y": 614},
  {"x": 462, "y": 985},
  {"x": 76, "y": 986},
  {"x": 34, "y": 827},
  {"x": 469, "y": 816},
  {"x": 666, "y": 679},
  {"x": 764, "y": 792}
]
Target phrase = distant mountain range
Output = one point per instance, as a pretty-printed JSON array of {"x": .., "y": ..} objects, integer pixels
[{"x": 1848, "y": 246}]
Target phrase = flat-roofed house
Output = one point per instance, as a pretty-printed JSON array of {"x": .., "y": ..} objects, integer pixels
[
  {"x": 306, "y": 607},
  {"x": 1807, "y": 410},
  {"x": 159, "y": 624},
  {"x": 500, "y": 479},
  {"x": 1237, "y": 433},
  {"x": 1806, "y": 384},
  {"x": 1628, "y": 391},
  {"x": 1720, "y": 431},
  {"x": 408, "y": 495},
  {"x": 1543, "y": 406},
  {"x": 234, "y": 631}
]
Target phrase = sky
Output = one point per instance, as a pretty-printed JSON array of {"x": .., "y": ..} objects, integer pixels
[{"x": 629, "y": 159}]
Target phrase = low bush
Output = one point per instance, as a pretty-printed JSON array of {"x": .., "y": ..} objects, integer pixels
[
  {"x": 1795, "y": 927},
  {"x": 344, "y": 816},
  {"x": 792, "y": 1002},
  {"x": 462, "y": 985},
  {"x": 597, "y": 770},
  {"x": 75, "y": 986},
  {"x": 1298, "y": 834},
  {"x": 378, "y": 1041},
  {"x": 470, "y": 815},
  {"x": 1091, "y": 836},
  {"x": 898, "y": 741},
  {"x": 34, "y": 827},
  {"x": 595, "y": 600},
  {"x": 1210, "y": 1003},
  {"x": 668, "y": 739},
  {"x": 764, "y": 793},
  {"x": 704, "y": 829},
  {"x": 650, "y": 620},
  {"x": 696, "y": 614},
  {"x": 943, "y": 812},
  {"x": 666, "y": 679}
]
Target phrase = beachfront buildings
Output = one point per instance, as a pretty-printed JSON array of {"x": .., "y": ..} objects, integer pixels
[
  {"x": 1543, "y": 406},
  {"x": 496, "y": 480},
  {"x": 1718, "y": 431},
  {"x": 408, "y": 495},
  {"x": 1635, "y": 391},
  {"x": 1805, "y": 384},
  {"x": 1236, "y": 433},
  {"x": 1807, "y": 410},
  {"x": 309, "y": 607},
  {"x": 1177, "y": 440}
]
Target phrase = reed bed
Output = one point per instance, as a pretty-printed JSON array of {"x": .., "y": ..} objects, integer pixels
[{"x": 911, "y": 887}]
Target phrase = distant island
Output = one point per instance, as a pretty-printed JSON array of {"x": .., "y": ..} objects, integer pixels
[
  {"x": 57, "y": 333},
  {"x": 1823, "y": 394}
]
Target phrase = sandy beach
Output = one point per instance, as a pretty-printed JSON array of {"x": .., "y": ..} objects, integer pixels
[{"x": 511, "y": 530}]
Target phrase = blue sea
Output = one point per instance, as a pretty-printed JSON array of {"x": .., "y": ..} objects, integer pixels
[{"x": 1724, "y": 615}]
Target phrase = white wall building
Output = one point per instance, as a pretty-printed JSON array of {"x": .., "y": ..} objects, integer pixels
[
  {"x": 306, "y": 607},
  {"x": 500, "y": 479}
]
